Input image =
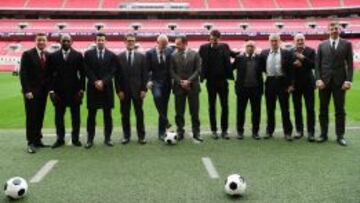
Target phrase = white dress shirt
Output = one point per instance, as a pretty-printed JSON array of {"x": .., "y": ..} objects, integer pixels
[{"x": 273, "y": 63}]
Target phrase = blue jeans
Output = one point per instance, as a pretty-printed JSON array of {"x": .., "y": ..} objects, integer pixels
[{"x": 161, "y": 94}]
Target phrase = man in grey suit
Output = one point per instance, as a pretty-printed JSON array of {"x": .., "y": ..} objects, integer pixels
[
  {"x": 130, "y": 82},
  {"x": 185, "y": 67},
  {"x": 334, "y": 73}
]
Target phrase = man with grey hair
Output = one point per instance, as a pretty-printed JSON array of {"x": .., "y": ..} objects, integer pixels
[
  {"x": 158, "y": 64},
  {"x": 304, "y": 65},
  {"x": 67, "y": 88},
  {"x": 277, "y": 63}
]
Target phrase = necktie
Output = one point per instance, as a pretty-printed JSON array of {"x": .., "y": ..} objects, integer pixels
[
  {"x": 333, "y": 45},
  {"x": 42, "y": 59},
  {"x": 101, "y": 55},
  {"x": 66, "y": 54},
  {"x": 162, "y": 57},
  {"x": 129, "y": 58}
]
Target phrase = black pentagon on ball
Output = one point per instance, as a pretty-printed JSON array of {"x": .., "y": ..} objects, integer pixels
[
  {"x": 5, "y": 186},
  {"x": 21, "y": 192},
  {"x": 176, "y": 137},
  {"x": 16, "y": 181},
  {"x": 169, "y": 141},
  {"x": 233, "y": 186}
]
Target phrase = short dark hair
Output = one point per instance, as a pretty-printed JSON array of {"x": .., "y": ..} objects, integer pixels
[
  {"x": 183, "y": 38},
  {"x": 40, "y": 34},
  {"x": 100, "y": 34},
  {"x": 130, "y": 35},
  {"x": 215, "y": 33}
]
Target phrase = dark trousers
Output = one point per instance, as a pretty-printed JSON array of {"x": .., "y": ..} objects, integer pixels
[
  {"x": 218, "y": 88},
  {"x": 161, "y": 94},
  {"x": 91, "y": 123},
  {"x": 125, "y": 106},
  {"x": 245, "y": 94},
  {"x": 180, "y": 102},
  {"x": 307, "y": 92},
  {"x": 75, "y": 121},
  {"x": 35, "y": 111},
  {"x": 339, "y": 101},
  {"x": 276, "y": 88}
]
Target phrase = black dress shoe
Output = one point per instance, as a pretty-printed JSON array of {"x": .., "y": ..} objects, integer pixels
[
  {"x": 31, "y": 149},
  {"x": 180, "y": 137},
  {"x": 89, "y": 145},
  {"x": 299, "y": 135},
  {"x": 341, "y": 142},
  {"x": 198, "y": 138},
  {"x": 268, "y": 136},
  {"x": 161, "y": 136},
  {"x": 142, "y": 141},
  {"x": 108, "y": 143},
  {"x": 76, "y": 143},
  {"x": 322, "y": 139},
  {"x": 288, "y": 137},
  {"x": 215, "y": 135},
  {"x": 58, "y": 143},
  {"x": 41, "y": 145},
  {"x": 240, "y": 136},
  {"x": 168, "y": 126},
  {"x": 311, "y": 137},
  {"x": 256, "y": 136},
  {"x": 125, "y": 141},
  {"x": 225, "y": 136}
]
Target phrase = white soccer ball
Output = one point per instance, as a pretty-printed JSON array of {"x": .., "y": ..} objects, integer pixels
[
  {"x": 16, "y": 188},
  {"x": 171, "y": 138},
  {"x": 235, "y": 185}
]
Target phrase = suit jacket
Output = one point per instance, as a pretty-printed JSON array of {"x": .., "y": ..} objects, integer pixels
[
  {"x": 287, "y": 60},
  {"x": 188, "y": 69},
  {"x": 336, "y": 65},
  {"x": 104, "y": 70},
  {"x": 33, "y": 77},
  {"x": 240, "y": 66},
  {"x": 131, "y": 79},
  {"x": 304, "y": 75},
  {"x": 156, "y": 72},
  {"x": 68, "y": 77},
  {"x": 221, "y": 62}
]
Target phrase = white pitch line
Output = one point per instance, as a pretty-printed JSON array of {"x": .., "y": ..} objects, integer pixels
[
  {"x": 43, "y": 171},
  {"x": 210, "y": 167}
]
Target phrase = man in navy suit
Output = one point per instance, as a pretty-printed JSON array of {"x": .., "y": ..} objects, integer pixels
[{"x": 158, "y": 63}]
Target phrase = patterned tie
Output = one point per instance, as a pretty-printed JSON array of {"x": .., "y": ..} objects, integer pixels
[{"x": 42, "y": 59}]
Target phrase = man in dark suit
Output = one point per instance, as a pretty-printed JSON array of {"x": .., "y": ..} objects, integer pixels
[
  {"x": 34, "y": 78},
  {"x": 67, "y": 88},
  {"x": 100, "y": 65},
  {"x": 248, "y": 86},
  {"x": 304, "y": 86},
  {"x": 278, "y": 65},
  {"x": 158, "y": 62},
  {"x": 334, "y": 73},
  {"x": 131, "y": 79},
  {"x": 216, "y": 69},
  {"x": 185, "y": 67}
]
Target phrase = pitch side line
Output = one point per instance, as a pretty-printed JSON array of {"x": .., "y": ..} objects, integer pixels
[
  {"x": 43, "y": 171},
  {"x": 210, "y": 168}
]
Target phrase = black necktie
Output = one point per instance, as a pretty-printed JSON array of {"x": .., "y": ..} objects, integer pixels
[
  {"x": 333, "y": 45},
  {"x": 129, "y": 58},
  {"x": 161, "y": 57},
  {"x": 100, "y": 54}
]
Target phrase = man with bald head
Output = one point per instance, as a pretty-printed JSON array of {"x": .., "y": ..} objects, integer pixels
[
  {"x": 67, "y": 88},
  {"x": 304, "y": 65},
  {"x": 158, "y": 63},
  {"x": 277, "y": 63}
]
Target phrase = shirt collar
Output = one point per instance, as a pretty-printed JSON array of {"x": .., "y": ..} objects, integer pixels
[
  {"x": 277, "y": 50},
  {"x": 247, "y": 55},
  {"x": 336, "y": 40},
  {"x": 98, "y": 50},
  {"x": 65, "y": 52},
  {"x": 38, "y": 51}
]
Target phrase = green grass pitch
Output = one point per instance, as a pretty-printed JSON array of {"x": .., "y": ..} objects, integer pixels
[{"x": 275, "y": 170}]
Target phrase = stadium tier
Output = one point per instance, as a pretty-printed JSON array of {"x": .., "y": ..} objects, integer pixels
[{"x": 195, "y": 4}]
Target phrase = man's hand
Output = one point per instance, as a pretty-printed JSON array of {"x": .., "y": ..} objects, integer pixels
[
  {"x": 298, "y": 63},
  {"x": 99, "y": 85},
  {"x": 299, "y": 56},
  {"x": 121, "y": 95},
  {"x": 346, "y": 85},
  {"x": 290, "y": 89},
  {"x": 320, "y": 84},
  {"x": 142, "y": 94},
  {"x": 185, "y": 84},
  {"x": 29, "y": 95},
  {"x": 149, "y": 85},
  {"x": 54, "y": 98}
]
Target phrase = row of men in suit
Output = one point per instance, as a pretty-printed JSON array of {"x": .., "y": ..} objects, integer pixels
[{"x": 65, "y": 72}]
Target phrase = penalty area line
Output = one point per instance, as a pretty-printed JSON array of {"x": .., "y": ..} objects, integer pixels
[
  {"x": 210, "y": 168},
  {"x": 43, "y": 171}
]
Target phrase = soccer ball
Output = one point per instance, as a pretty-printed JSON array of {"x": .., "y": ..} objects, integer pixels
[
  {"x": 235, "y": 185},
  {"x": 16, "y": 188},
  {"x": 171, "y": 138}
]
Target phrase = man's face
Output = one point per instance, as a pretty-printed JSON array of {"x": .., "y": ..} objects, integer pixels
[
  {"x": 250, "y": 49},
  {"x": 275, "y": 43},
  {"x": 130, "y": 43},
  {"x": 213, "y": 40},
  {"x": 334, "y": 31},
  {"x": 162, "y": 43},
  {"x": 180, "y": 45},
  {"x": 66, "y": 43},
  {"x": 300, "y": 42},
  {"x": 100, "y": 42},
  {"x": 41, "y": 42}
]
